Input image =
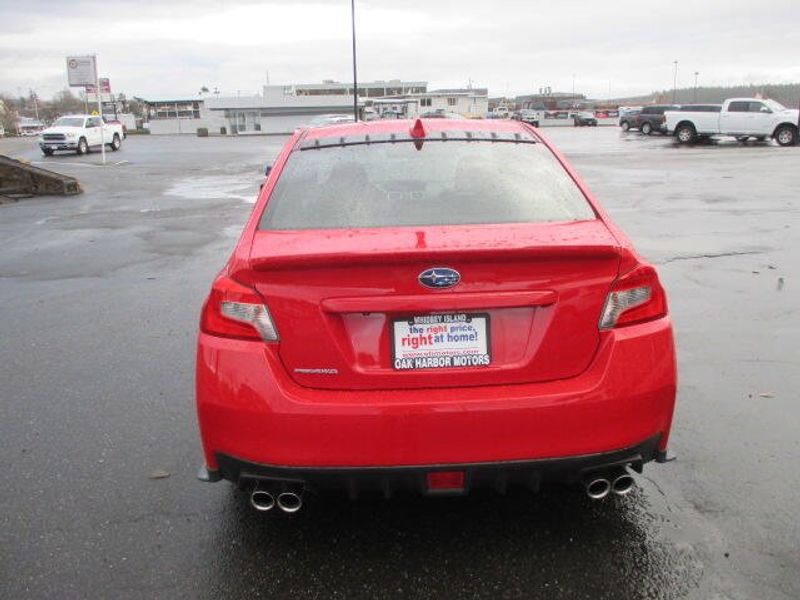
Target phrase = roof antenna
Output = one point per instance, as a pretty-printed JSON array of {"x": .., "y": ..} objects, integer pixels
[{"x": 355, "y": 71}]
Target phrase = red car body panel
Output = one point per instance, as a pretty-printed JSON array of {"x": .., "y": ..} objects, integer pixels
[
  {"x": 558, "y": 385},
  {"x": 626, "y": 396}
]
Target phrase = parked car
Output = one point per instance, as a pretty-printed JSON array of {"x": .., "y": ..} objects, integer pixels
[
  {"x": 449, "y": 311},
  {"x": 530, "y": 116},
  {"x": 79, "y": 134},
  {"x": 501, "y": 112},
  {"x": 584, "y": 119},
  {"x": 627, "y": 118},
  {"x": 741, "y": 118},
  {"x": 651, "y": 119}
]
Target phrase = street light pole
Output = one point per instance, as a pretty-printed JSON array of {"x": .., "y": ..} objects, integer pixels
[
  {"x": 573, "y": 90},
  {"x": 696, "y": 73},
  {"x": 675, "y": 83},
  {"x": 355, "y": 70},
  {"x": 35, "y": 97}
]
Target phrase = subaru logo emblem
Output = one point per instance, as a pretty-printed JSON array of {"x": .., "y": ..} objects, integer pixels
[{"x": 439, "y": 277}]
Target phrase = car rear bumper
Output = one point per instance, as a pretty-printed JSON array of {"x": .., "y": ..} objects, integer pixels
[
  {"x": 250, "y": 409},
  {"x": 388, "y": 480}
]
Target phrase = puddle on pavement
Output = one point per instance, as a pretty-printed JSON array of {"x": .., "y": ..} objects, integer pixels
[{"x": 234, "y": 187}]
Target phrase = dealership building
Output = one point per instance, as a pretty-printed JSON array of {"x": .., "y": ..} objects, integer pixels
[{"x": 280, "y": 109}]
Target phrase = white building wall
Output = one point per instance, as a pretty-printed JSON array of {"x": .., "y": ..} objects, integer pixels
[
  {"x": 468, "y": 106},
  {"x": 185, "y": 126}
]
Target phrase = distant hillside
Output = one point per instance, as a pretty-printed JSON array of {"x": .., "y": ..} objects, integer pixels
[{"x": 787, "y": 94}]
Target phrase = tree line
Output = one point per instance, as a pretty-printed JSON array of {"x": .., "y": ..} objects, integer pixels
[{"x": 62, "y": 103}]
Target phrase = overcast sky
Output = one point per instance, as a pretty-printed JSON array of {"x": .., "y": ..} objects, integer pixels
[{"x": 619, "y": 47}]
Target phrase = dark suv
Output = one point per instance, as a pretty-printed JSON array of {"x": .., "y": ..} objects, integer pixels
[
  {"x": 651, "y": 119},
  {"x": 627, "y": 117}
]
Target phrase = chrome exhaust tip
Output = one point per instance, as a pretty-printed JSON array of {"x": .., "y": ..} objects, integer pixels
[
  {"x": 597, "y": 488},
  {"x": 289, "y": 502},
  {"x": 623, "y": 484},
  {"x": 262, "y": 500}
]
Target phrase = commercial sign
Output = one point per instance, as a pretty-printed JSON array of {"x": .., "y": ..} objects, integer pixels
[
  {"x": 81, "y": 71},
  {"x": 105, "y": 91}
]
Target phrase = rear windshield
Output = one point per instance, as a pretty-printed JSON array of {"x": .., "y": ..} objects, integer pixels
[{"x": 443, "y": 183}]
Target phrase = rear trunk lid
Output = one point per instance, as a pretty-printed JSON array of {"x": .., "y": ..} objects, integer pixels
[{"x": 348, "y": 302}]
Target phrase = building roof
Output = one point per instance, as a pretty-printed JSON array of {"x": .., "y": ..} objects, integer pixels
[
  {"x": 451, "y": 91},
  {"x": 377, "y": 83},
  {"x": 169, "y": 99},
  {"x": 553, "y": 96}
]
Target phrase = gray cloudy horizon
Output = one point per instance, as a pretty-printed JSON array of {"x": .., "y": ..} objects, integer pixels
[{"x": 617, "y": 49}]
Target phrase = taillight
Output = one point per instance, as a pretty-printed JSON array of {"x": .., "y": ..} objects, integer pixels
[
  {"x": 234, "y": 310},
  {"x": 635, "y": 297}
]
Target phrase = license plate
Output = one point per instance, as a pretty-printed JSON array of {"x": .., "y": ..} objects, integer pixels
[{"x": 448, "y": 341}]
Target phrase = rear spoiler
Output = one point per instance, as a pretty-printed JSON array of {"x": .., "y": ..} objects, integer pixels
[
  {"x": 396, "y": 256},
  {"x": 587, "y": 240}
]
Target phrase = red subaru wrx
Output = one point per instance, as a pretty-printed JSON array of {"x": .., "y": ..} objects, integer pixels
[{"x": 431, "y": 306}]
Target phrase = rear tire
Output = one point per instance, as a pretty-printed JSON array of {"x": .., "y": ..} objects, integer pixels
[
  {"x": 686, "y": 134},
  {"x": 646, "y": 129},
  {"x": 786, "y": 135},
  {"x": 47, "y": 152},
  {"x": 83, "y": 147},
  {"x": 742, "y": 138},
  {"x": 625, "y": 126}
]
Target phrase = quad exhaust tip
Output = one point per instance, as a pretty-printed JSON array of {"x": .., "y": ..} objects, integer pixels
[
  {"x": 623, "y": 484},
  {"x": 262, "y": 500},
  {"x": 289, "y": 502},
  {"x": 617, "y": 481},
  {"x": 598, "y": 488}
]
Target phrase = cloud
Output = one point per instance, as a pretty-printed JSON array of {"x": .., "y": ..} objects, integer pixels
[{"x": 512, "y": 47}]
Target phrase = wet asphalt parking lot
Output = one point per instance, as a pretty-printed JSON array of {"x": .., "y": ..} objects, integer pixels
[{"x": 99, "y": 298}]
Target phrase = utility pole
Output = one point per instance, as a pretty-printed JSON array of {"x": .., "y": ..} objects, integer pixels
[
  {"x": 355, "y": 69},
  {"x": 573, "y": 90},
  {"x": 100, "y": 109},
  {"x": 675, "y": 83},
  {"x": 35, "y": 99},
  {"x": 696, "y": 73}
]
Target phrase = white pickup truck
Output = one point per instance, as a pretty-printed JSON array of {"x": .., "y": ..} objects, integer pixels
[
  {"x": 741, "y": 118},
  {"x": 80, "y": 133}
]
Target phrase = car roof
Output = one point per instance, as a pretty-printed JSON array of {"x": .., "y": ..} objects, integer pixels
[{"x": 404, "y": 125}]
